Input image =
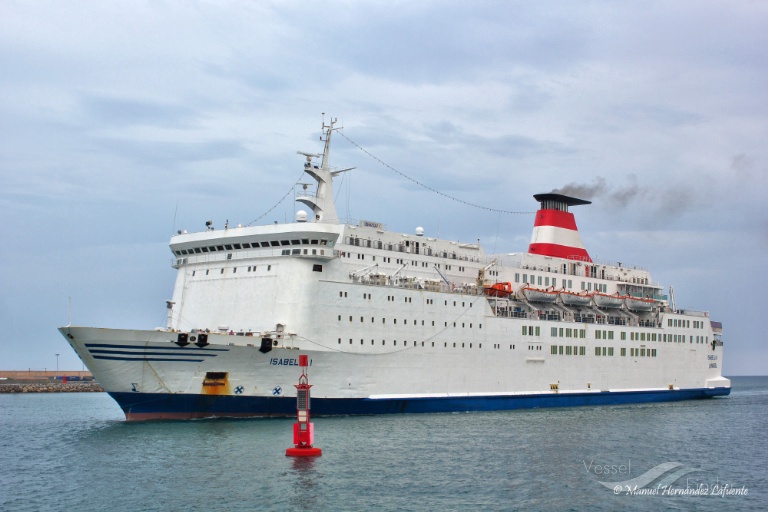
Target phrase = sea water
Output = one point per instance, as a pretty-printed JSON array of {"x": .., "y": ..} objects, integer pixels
[{"x": 74, "y": 451}]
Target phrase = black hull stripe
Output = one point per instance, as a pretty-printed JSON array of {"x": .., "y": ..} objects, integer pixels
[
  {"x": 140, "y": 352},
  {"x": 174, "y": 360},
  {"x": 191, "y": 347}
]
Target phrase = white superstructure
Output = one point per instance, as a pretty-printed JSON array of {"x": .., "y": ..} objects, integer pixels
[{"x": 396, "y": 322}]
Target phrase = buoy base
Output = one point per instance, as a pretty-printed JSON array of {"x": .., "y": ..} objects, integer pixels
[{"x": 308, "y": 451}]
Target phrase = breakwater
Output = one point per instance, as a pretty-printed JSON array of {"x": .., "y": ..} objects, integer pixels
[{"x": 50, "y": 387}]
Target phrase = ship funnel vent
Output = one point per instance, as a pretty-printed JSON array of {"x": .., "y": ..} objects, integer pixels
[{"x": 554, "y": 230}]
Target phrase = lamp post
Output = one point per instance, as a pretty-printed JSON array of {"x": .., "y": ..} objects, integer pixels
[{"x": 57, "y": 364}]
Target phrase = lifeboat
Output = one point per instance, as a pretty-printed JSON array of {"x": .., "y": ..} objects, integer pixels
[
  {"x": 539, "y": 295},
  {"x": 639, "y": 303},
  {"x": 498, "y": 289},
  {"x": 608, "y": 301},
  {"x": 576, "y": 299}
]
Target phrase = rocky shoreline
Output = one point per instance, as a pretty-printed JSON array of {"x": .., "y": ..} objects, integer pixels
[{"x": 77, "y": 387}]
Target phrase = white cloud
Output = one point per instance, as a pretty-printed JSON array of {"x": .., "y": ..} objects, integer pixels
[{"x": 116, "y": 112}]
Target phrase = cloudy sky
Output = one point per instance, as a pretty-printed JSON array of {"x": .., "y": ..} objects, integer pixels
[{"x": 123, "y": 121}]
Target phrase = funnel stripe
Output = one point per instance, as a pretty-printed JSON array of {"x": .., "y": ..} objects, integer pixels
[
  {"x": 560, "y": 251},
  {"x": 555, "y": 218}
]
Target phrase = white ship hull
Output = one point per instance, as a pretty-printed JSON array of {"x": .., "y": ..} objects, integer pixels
[{"x": 397, "y": 323}]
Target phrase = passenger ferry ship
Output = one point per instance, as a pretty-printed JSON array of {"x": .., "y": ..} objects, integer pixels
[{"x": 400, "y": 322}]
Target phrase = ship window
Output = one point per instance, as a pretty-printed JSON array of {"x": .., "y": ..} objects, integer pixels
[
  {"x": 305, "y": 241},
  {"x": 222, "y": 271},
  {"x": 205, "y": 249},
  {"x": 286, "y": 252},
  {"x": 237, "y": 246},
  {"x": 206, "y": 272},
  {"x": 285, "y": 242},
  {"x": 269, "y": 267},
  {"x": 582, "y": 351},
  {"x": 234, "y": 270},
  {"x": 313, "y": 242},
  {"x": 293, "y": 251},
  {"x": 274, "y": 243},
  {"x": 229, "y": 256},
  {"x": 179, "y": 253},
  {"x": 193, "y": 273},
  {"x": 295, "y": 242}
]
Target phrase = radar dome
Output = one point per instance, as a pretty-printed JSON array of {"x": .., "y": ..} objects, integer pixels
[
  {"x": 301, "y": 216},
  {"x": 419, "y": 231}
]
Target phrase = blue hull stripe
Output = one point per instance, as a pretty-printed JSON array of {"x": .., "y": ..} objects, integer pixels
[
  {"x": 170, "y": 347},
  {"x": 162, "y": 405}
]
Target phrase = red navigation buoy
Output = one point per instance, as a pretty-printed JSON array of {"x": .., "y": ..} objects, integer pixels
[{"x": 303, "y": 430}]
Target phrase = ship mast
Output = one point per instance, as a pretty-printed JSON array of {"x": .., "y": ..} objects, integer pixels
[{"x": 322, "y": 203}]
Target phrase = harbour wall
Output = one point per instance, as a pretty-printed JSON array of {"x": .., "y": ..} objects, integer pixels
[
  {"x": 49, "y": 387},
  {"x": 43, "y": 381}
]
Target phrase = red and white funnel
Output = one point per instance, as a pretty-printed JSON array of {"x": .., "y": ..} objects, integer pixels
[{"x": 554, "y": 231}]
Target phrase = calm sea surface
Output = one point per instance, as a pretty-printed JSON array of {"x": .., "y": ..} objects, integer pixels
[{"x": 75, "y": 452}]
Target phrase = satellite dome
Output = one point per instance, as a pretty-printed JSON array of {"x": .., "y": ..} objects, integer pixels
[
  {"x": 301, "y": 216},
  {"x": 419, "y": 231}
]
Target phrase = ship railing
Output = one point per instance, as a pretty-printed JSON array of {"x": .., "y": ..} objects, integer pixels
[
  {"x": 401, "y": 247},
  {"x": 693, "y": 312},
  {"x": 315, "y": 251},
  {"x": 511, "y": 312},
  {"x": 415, "y": 283}
]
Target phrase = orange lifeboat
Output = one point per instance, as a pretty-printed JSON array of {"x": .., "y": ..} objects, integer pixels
[{"x": 498, "y": 289}]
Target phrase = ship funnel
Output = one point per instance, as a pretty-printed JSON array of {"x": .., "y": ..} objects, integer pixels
[{"x": 554, "y": 230}]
